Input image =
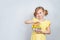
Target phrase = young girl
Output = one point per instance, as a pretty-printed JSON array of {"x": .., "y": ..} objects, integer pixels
[{"x": 40, "y": 26}]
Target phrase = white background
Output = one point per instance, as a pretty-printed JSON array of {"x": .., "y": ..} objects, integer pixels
[{"x": 13, "y": 13}]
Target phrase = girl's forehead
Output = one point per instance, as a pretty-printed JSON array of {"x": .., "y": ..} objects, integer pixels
[{"x": 40, "y": 10}]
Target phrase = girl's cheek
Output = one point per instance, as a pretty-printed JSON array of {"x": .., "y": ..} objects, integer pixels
[{"x": 37, "y": 15}]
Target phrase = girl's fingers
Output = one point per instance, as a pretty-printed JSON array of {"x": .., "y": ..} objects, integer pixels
[{"x": 38, "y": 30}]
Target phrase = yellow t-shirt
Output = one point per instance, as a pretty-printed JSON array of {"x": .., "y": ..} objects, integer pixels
[{"x": 43, "y": 25}]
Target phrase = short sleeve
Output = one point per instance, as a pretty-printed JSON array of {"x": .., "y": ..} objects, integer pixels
[
  {"x": 34, "y": 19},
  {"x": 48, "y": 23}
]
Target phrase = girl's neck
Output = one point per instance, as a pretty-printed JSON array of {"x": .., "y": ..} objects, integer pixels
[{"x": 41, "y": 19}]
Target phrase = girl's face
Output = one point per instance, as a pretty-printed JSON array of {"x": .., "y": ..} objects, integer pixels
[{"x": 40, "y": 14}]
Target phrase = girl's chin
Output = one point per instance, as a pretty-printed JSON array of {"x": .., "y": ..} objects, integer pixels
[{"x": 40, "y": 17}]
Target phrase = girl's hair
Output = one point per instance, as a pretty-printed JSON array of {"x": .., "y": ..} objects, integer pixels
[
  {"x": 46, "y": 12},
  {"x": 35, "y": 13}
]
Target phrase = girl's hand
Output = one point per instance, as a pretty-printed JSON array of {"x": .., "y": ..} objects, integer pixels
[{"x": 38, "y": 30}]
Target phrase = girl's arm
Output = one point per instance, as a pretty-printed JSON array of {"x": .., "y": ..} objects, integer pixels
[
  {"x": 29, "y": 21},
  {"x": 47, "y": 31}
]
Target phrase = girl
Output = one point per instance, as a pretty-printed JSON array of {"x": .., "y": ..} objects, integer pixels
[{"x": 40, "y": 26}]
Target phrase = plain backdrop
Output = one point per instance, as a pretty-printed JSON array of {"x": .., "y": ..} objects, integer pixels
[{"x": 13, "y": 13}]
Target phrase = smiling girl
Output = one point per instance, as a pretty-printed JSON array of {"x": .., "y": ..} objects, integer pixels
[{"x": 40, "y": 25}]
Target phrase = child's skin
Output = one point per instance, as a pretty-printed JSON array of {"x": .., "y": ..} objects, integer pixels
[{"x": 40, "y": 16}]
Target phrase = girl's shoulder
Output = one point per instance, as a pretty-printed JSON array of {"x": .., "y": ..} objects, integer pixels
[
  {"x": 34, "y": 19},
  {"x": 48, "y": 21}
]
